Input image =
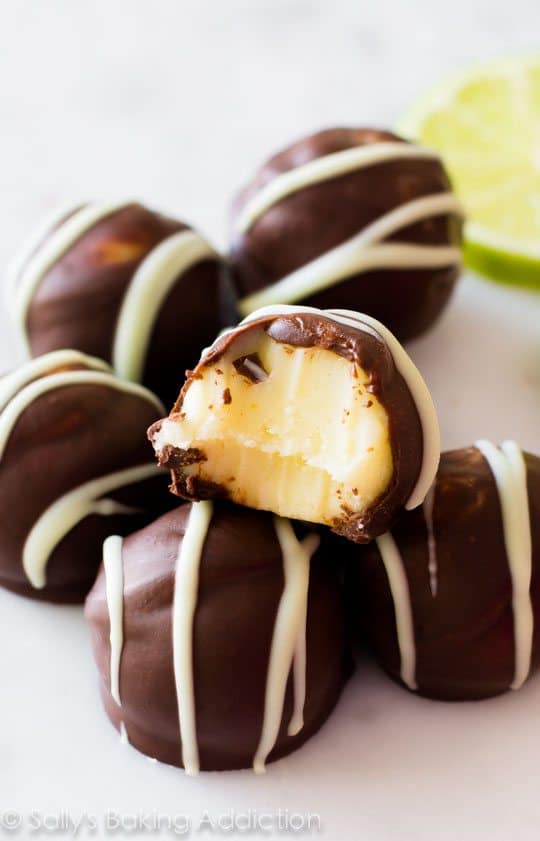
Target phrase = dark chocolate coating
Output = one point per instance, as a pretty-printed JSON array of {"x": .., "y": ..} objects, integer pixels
[
  {"x": 77, "y": 303},
  {"x": 64, "y": 438},
  {"x": 315, "y": 219},
  {"x": 240, "y": 584},
  {"x": 465, "y": 634},
  {"x": 356, "y": 345}
]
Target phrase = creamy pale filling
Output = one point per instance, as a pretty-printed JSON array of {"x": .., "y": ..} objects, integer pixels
[{"x": 292, "y": 430}]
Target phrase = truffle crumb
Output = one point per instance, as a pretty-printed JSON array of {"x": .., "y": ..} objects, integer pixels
[
  {"x": 175, "y": 458},
  {"x": 251, "y": 368}
]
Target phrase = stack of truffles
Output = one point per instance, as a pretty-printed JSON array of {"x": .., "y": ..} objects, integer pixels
[{"x": 304, "y": 444}]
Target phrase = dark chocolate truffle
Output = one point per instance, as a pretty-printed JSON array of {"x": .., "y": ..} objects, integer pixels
[
  {"x": 143, "y": 291},
  {"x": 350, "y": 218},
  {"x": 219, "y": 636},
  {"x": 75, "y": 466},
  {"x": 448, "y": 600},
  {"x": 315, "y": 415}
]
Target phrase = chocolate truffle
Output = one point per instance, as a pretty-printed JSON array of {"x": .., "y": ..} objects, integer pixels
[
  {"x": 449, "y": 598},
  {"x": 350, "y": 218},
  {"x": 318, "y": 416},
  {"x": 143, "y": 291},
  {"x": 75, "y": 466},
  {"x": 219, "y": 636}
]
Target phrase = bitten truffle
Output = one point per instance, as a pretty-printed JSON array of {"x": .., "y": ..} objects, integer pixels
[
  {"x": 75, "y": 466},
  {"x": 350, "y": 218},
  {"x": 141, "y": 290},
  {"x": 315, "y": 415},
  {"x": 450, "y": 599},
  {"x": 219, "y": 637}
]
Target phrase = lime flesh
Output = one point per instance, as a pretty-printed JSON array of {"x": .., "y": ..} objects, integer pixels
[{"x": 485, "y": 123}]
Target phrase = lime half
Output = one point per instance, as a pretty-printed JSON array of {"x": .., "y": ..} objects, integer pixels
[{"x": 485, "y": 123}]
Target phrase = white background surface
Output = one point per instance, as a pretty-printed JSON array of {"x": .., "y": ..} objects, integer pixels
[{"x": 175, "y": 103}]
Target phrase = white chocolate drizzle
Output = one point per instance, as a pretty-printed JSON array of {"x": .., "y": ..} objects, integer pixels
[
  {"x": 325, "y": 168},
  {"x": 288, "y": 648},
  {"x": 433, "y": 567},
  {"x": 18, "y": 390},
  {"x": 509, "y": 470},
  {"x": 399, "y": 588},
  {"x": 146, "y": 294},
  {"x": 184, "y": 605},
  {"x": 47, "y": 364},
  {"x": 288, "y": 640},
  {"x": 365, "y": 252},
  {"x": 36, "y": 238},
  {"x": 114, "y": 586},
  {"x": 65, "y": 513},
  {"x": 36, "y": 264},
  {"x": 124, "y": 739},
  {"x": 404, "y": 365},
  {"x": 22, "y": 399},
  {"x": 310, "y": 544}
]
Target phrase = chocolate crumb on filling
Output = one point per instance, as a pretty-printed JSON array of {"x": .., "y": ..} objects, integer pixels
[
  {"x": 175, "y": 458},
  {"x": 306, "y": 443},
  {"x": 251, "y": 368}
]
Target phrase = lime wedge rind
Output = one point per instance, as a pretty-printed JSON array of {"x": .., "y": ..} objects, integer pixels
[{"x": 485, "y": 254}]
